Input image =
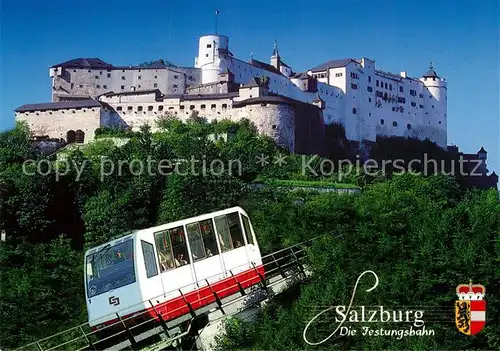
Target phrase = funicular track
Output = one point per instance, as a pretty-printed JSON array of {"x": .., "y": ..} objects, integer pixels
[{"x": 282, "y": 268}]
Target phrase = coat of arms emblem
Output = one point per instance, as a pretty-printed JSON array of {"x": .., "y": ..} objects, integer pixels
[{"x": 470, "y": 308}]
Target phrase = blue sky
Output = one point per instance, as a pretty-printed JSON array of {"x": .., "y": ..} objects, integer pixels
[{"x": 460, "y": 37}]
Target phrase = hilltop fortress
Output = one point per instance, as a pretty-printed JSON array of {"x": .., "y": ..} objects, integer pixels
[{"x": 291, "y": 107}]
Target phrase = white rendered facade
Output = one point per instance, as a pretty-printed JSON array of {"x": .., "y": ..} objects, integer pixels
[
  {"x": 397, "y": 106},
  {"x": 366, "y": 101}
]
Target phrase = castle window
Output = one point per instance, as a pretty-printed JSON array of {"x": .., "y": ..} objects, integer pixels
[
  {"x": 74, "y": 70},
  {"x": 408, "y": 126},
  {"x": 369, "y": 79},
  {"x": 394, "y": 124},
  {"x": 181, "y": 107},
  {"x": 393, "y": 108},
  {"x": 274, "y": 126},
  {"x": 72, "y": 85},
  {"x": 414, "y": 104},
  {"x": 203, "y": 106},
  {"x": 156, "y": 77},
  {"x": 191, "y": 107},
  {"x": 439, "y": 122},
  {"x": 430, "y": 96},
  {"x": 376, "y": 82},
  {"x": 369, "y": 89},
  {"x": 421, "y": 95},
  {"x": 139, "y": 86},
  {"x": 400, "y": 89},
  {"x": 150, "y": 108},
  {"x": 386, "y": 85},
  {"x": 160, "y": 108},
  {"x": 175, "y": 86},
  {"x": 108, "y": 75},
  {"x": 139, "y": 77},
  {"x": 123, "y": 77},
  {"x": 81, "y": 86},
  {"x": 213, "y": 106},
  {"x": 105, "y": 87},
  {"x": 139, "y": 108},
  {"x": 89, "y": 71},
  {"x": 98, "y": 86},
  {"x": 176, "y": 76},
  {"x": 96, "y": 77},
  {"x": 123, "y": 70},
  {"x": 70, "y": 136},
  {"x": 155, "y": 85},
  {"x": 206, "y": 55},
  {"x": 381, "y": 121},
  {"x": 122, "y": 87},
  {"x": 413, "y": 92},
  {"x": 224, "y": 106},
  {"x": 209, "y": 46},
  {"x": 338, "y": 74},
  {"x": 354, "y": 110},
  {"x": 370, "y": 114},
  {"x": 401, "y": 100},
  {"x": 369, "y": 99},
  {"x": 421, "y": 106},
  {"x": 432, "y": 106},
  {"x": 390, "y": 86},
  {"x": 171, "y": 108},
  {"x": 354, "y": 86},
  {"x": 129, "y": 108},
  {"x": 119, "y": 108},
  {"x": 79, "y": 136}
]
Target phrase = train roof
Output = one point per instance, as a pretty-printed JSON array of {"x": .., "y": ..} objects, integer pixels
[{"x": 163, "y": 227}]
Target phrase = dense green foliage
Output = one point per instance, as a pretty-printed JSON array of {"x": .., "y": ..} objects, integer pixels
[{"x": 422, "y": 235}]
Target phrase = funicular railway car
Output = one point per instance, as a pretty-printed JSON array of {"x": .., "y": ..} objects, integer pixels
[{"x": 172, "y": 268}]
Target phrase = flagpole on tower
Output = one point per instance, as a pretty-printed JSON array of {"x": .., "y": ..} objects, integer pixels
[{"x": 216, "y": 17}]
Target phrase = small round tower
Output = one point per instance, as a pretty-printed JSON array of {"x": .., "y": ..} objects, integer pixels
[
  {"x": 436, "y": 102},
  {"x": 208, "y": 59}
]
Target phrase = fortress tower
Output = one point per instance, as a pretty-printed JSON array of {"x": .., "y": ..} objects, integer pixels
[
  {"x": 210, "y": 50},
  {"x": 436, "y": 103}
]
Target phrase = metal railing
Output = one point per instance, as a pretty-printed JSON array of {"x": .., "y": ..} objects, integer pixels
[{"x": 133, "y": 328}]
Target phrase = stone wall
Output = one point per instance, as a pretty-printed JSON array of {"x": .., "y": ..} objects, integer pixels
[
  {"x": 56, "y": 123},
  {"x": 274, "y": 120}
]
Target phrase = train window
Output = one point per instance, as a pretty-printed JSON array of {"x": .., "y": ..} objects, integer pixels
[
  {"x": 248, "y": 231},
  {"x": 110, "y": 268},
  {"x": 201, "y": 237},
  {"x": 149, "y": 259},
  {"x": 235, "y": 229},
  {"x": 164, "y": 249},
  {"x": 223, "y": 231},
  {"x": 179, "y": 247},
  {"x": 208, "y": 233},
  {"x": 195, "y": 241}
]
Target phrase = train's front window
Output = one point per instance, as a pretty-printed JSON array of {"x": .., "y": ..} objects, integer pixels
[{"x": 110, "y": 268}]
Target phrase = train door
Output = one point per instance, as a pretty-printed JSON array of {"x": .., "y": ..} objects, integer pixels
[
  {"x": 175, "y": 268},
  {"x": 151, "y": 280},
  {"x": 207, "y": 261},
  {"x": 230, "y": 235},
  {"x": 253, "y": 249}
]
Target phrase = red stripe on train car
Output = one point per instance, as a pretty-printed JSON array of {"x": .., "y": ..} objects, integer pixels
[{"x": 198, "y": 298}]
